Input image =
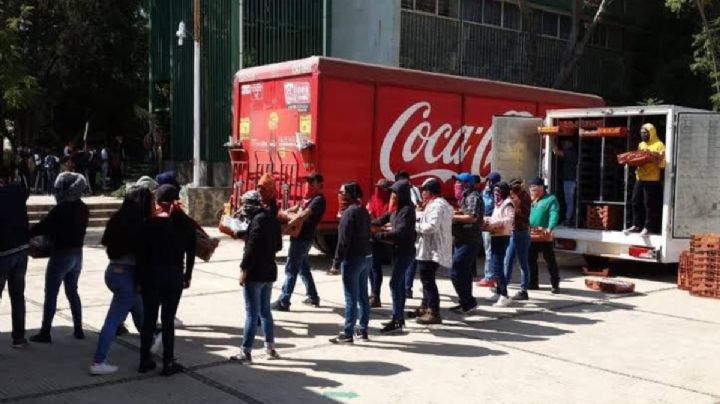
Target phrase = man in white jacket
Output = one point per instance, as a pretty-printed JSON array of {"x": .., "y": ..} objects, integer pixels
[{"x": 434, "y": 228}]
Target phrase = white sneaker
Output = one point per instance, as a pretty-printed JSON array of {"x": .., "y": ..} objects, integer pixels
[
  {"x": 178, "y": 322},
  {"x": 99, "y": 369},
  {"x": 157, "y": 344},
  {"x": 503, "y": 301},
  {"x": 495, "y": 297}
]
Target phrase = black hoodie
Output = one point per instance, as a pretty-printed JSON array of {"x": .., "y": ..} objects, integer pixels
[{"x": 403, "y": 232}]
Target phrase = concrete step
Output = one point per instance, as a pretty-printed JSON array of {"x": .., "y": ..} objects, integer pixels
[
  {"x": 94, "y": 214},
  {"x": 92, "y": 222}
]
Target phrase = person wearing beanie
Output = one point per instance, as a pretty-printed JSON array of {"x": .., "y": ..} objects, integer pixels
[
  {"x": 493, "y": 178},
  {"x": 353, "y": 257},
  {"x": 258, "y": 270},
  {"x": 401, "y": 236},
  {"x": 167, "y": 247},
  {"x": 309, "y": 215},
  {"x": 467, "y": 236},
  {"x": 378, "y": 206},
  {"x": 434, "y": 228},
  {"x": 65, "y": 226},
  {"x": 500, "y": 225},
  {"x": 544, "y": 215}
]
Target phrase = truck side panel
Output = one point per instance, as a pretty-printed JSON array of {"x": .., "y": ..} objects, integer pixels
[{"x": 344, "y": 137}]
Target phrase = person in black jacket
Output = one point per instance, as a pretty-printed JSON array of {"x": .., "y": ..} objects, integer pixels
[
  {"x": 65, "y": 227},
  {"x": 122, "y": 240},
  {"x": 14, "y": 237},
  {"x": 354, "y": 258},
  {"x": 168, "y": 239},
  {"x": 402, "y": 236},
  {"x": 258, "y": 271}
]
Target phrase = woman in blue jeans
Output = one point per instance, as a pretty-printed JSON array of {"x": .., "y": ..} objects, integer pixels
[
  {"x": 65, "y": 227},
  {"x": 520, "y": 239},
  {"x": 121, "y": 242},
  {"x": 259, "y": 270},
  {"x": 353, "y": 256},
  {"x": 500, "y": 225}
]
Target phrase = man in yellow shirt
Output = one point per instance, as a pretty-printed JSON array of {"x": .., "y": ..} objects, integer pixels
[{"x": 648, "y": 191}]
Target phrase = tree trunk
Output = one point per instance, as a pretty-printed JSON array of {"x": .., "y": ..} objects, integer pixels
[
  {"x": 578, "y": 48},
  {"x": 708, "y": 46}
]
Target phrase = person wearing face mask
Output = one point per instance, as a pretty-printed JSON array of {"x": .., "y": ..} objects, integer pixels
[
  {"x": 378, "y": 206},
  {"x": 648, "y": 192},
  {"x": 488, "y": 280},
  {"x": 309, "y": 215},
  {"x": 500, "y": 225},
  {"x": 353, "y": 256},
  {"x": 418, "y": 202},
  {"x": 402, "y": 236},
  {"x": 520, "y": 238},
  {"x": 466, "y": 232},
  {"x": 544, "y": 215}
]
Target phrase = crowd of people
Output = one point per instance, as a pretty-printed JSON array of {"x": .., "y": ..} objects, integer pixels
[
  {"x": 37, "y": 168},
  {"x": 150, "y": 243}
]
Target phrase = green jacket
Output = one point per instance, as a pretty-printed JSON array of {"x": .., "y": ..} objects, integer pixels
[{"x": 545, "y": 212}]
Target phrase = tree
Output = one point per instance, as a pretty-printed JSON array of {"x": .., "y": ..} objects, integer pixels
[
  {"x": 576, "y": 46},
  {"x": 79, "y": 60},
  {"x": 706, "y": 43}
]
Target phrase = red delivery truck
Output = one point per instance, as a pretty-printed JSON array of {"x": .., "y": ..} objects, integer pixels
[{"x": 356, "y": 121}]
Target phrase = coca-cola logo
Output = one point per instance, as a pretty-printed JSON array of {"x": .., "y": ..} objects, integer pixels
[{"x": 422, "y": 141}]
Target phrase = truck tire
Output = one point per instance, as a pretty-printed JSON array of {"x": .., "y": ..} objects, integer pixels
[{"x": 326, "y": 243}]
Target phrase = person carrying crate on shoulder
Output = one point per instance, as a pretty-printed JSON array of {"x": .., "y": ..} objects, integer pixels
[{"x": 648, "y": 192}]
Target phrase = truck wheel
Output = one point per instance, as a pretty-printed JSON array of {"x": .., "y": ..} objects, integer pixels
[{"x": 326, "y": 243}]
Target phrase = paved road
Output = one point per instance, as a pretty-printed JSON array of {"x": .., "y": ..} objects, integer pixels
[{"x": 659, "y": 345}]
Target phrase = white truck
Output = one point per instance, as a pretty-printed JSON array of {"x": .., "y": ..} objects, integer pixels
[{"x": 691, "y": 178}]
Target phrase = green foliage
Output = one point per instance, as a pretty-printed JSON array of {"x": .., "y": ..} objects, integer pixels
[{"x": 73, "y": 61}]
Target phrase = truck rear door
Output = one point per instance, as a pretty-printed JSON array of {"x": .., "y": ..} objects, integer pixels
[
  {"x": 516, "y": 146},
  {"x": 696, "y": 193}
]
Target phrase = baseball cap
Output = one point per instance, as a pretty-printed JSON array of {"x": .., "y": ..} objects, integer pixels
[
  {"x": 537, "y": 181},
  {"x": 432, "y": 185},
  {"x": 464, "y": 177},
  {"x": 493, "y": 177},
  {"x": 314, "y": 177}
]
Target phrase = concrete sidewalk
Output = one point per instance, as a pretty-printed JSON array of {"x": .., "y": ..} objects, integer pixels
[{"x": 658, "y": 345}]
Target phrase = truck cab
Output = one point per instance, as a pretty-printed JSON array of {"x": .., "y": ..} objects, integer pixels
[{"x": 604, "y": 187}]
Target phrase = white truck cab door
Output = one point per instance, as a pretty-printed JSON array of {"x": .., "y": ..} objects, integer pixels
[
  {"x": 696, "y": 167},
  {"x": 516, "y": 147}
]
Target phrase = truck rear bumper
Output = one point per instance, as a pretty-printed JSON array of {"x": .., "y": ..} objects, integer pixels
[{"x": 609, "y": 244}]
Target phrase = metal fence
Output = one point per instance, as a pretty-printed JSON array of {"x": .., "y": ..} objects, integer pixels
[{"x": 447, "y": 45}]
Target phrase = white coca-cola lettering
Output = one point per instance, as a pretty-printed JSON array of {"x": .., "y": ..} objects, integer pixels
[{"x": 423, "y": 140}]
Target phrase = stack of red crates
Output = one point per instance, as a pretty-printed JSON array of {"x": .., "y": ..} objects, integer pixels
[
  {"x": 699, "y": 270},
  {"x": 603, "y": 217}
]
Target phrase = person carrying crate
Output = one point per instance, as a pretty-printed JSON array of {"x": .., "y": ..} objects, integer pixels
[{"x": 648, "y": 192}]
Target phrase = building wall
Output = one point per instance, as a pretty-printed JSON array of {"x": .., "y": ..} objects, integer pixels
[{"x": 366, "y": 31}]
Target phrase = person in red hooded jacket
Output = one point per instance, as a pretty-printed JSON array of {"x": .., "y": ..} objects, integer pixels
[{"x": 378, "y": 206}]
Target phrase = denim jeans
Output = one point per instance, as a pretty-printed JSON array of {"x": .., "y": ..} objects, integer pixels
[
  {"x": 355, "y": 283},
  {"x": 397, "y": 284},
  {"x": 461, "y": 274},
  {"x": 13, "y": 268},
  {"x": 519, "y": 246},
  {"x": 163, "y": 287},
  {"x": 62, "y": 268},
  {"x": 431, "y": 296},
  {"x": 298, "y": 264},
  {"x": 380, "y": 252},
  {"x": 569, "y": 188},
  {"x": 488, "y": 255},
  {"x": 120, "y": 279},
  {"x": 499, "y": 249},
  {"x": 257, "y": 305},
  {"x": 410, "y": 276}
]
